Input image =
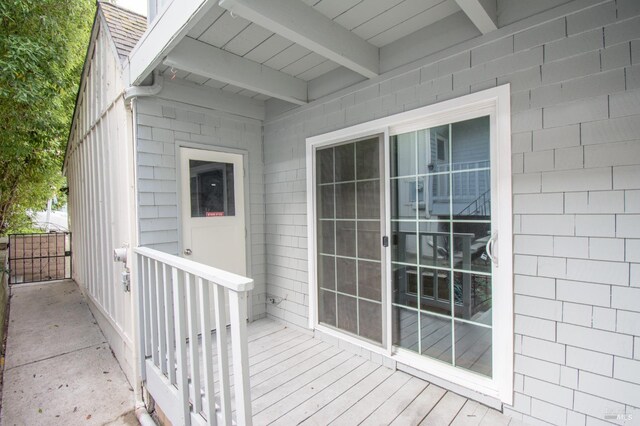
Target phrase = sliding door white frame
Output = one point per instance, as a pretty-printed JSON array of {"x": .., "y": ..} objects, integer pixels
[{"x": 495, "y": 103}]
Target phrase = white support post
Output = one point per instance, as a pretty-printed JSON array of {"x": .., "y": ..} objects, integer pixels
[{"x": 240, "y": 351}]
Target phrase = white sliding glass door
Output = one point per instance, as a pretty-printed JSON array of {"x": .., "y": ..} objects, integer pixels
[
  {"x": 441, "y": 226},
  {"x": 349, "y": 225},
  {"x": 407, "y": 218}
]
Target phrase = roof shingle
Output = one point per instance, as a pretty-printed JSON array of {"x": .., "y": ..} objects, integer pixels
[{"x": 126, "y": 27}]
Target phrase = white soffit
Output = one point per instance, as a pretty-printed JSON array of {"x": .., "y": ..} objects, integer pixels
[{"x": 309, "y": 28}]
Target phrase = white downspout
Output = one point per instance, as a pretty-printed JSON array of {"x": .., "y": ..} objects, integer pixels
[
  {"x": 143, "y": 91},
  {"x": 131, "y": 93}
]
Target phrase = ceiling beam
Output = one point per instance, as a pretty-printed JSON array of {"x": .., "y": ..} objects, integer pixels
[
  {"x": 208, "y": 61},
  {"x": 210, "y": 98},
  {"x": 482, "y": 13},
  {"x": 309, "y": 28}
]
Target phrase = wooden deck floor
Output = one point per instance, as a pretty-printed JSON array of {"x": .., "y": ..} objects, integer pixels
[{"x": 297, "y": 379}]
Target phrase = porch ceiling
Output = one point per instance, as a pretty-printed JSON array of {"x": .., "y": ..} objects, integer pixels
[{"x": 273, "y": 44}]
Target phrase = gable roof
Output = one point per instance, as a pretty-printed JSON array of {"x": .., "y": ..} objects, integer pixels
[{"x": 125, "y": 27}]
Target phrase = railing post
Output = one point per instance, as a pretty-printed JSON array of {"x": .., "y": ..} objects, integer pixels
[
  {"x": 240, "y": 350},
  {"x": 140, "y": 316}
]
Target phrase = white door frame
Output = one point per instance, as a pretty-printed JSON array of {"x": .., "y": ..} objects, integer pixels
[
  {"x": 496, "y": 103},
  {"x": 247, "y": 205}
]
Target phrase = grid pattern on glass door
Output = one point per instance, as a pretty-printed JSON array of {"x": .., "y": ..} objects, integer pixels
[
  {"x": 440, "y": 224},
  {"x": 349, "y": 238}
]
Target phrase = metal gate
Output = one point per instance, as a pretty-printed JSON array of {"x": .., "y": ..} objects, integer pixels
[{"x": 39, "y": 257}]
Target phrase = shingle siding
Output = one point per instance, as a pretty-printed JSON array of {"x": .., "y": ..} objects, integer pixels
[
  {"x": 576, "y": 183},
  {"x": 160, "y": 127}
]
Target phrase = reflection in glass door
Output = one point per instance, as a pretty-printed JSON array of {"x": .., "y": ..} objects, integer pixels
[
  {"x": 349, "y": 249},
  {"x": 441, "y": 224}
]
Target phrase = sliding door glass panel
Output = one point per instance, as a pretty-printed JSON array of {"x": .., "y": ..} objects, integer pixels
[
  {"x": 349, "y": 238},
  {"x": 440, "y": 225}
]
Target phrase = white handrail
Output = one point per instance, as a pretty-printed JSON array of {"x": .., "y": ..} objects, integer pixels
[
  {"x": 180, "y": 305},
  {"x": 226, "y": 279}
]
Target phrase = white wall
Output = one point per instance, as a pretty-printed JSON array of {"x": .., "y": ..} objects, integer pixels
[
  {"x": 162, "y": 126},
  {"x": 575, "y": 84},
  {"x": 100, "y": 173}
]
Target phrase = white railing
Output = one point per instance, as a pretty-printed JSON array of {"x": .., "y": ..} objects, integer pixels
[{"x": 179, "y": 303}]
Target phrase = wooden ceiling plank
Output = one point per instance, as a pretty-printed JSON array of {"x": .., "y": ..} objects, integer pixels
[
  {"x": 309, "y": 28},
  {"x": 303, "y": 64},
  {"x": 247, "y": 40},
  {"x": 415, "y": 23},
  {"x": 223, "y": 30},
  {"x": 364, "y": 11},
  {"x": 268, "y": 49},
  {"x": 394, "y": 16},
  {"x": 288, "y": 56},
  {"x": 318, "y": 70},
  {"x": 334, "y": 8}
]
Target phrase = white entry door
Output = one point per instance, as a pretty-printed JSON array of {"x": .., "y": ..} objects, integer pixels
[
  {"x": 213, "y": 209},
  {"x": 213, "y": 220}
]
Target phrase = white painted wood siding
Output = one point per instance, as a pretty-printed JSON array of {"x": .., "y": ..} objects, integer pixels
[{"x": 99, "y": 172}]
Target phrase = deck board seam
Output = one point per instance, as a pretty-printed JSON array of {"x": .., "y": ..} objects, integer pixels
[{"x": 359, "y": 358}]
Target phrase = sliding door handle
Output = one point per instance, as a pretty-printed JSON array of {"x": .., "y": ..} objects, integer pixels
[{"x": 490, "y": 247}]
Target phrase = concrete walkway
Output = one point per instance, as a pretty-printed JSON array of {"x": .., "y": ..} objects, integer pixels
[{"x": 58, "y": 367}]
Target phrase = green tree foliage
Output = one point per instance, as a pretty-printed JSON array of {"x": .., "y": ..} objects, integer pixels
[{"x": 42, "y": 49}]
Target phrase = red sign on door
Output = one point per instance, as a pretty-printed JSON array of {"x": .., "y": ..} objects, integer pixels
[{"x": 213, "y": 214}]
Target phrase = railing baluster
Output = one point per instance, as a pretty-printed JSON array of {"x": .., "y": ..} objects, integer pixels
[
  {"x": 144, "y": 293},
  {"x": 140, "y": 316},
  {"x": 181, "y": 344},
  {"x": 207, "y": 350},
  {"x": 192, "y": 310},
  {"x": 170, "y": 324},
  {"x": 153, "y": 301},
  {"x": 223, "y": 353},
  {"x": 240, "y": 350},
  {"x": 162, "y": 338}
]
